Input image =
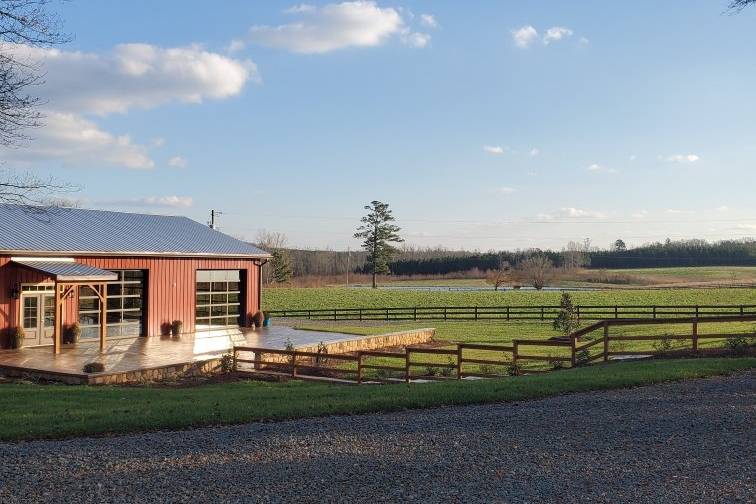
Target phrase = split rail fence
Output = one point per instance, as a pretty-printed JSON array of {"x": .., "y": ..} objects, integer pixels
[
  {"x": 545, "y": 312},
  {"x": 509, "y": 359}
]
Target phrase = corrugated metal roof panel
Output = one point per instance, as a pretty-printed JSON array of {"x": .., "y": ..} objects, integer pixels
[
  {"x": 75, "y": 230},
  {"x": 69, "y": 271}
]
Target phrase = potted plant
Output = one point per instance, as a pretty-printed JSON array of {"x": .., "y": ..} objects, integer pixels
[
  {"x": 72, "y": 334},
  {"x": 176, "y": 327},
  {"x": 17, "y": 337},
  {"x": 258, "y": 318}
]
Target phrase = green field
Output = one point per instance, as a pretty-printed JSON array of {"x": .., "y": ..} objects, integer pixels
[
  {"x": 337, "y": 297},
  {"x": 66, "y": 411}
]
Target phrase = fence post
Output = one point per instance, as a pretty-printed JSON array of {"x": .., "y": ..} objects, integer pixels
[
  {"x": 741, "y": 310},
  {"x": 476, "y": 312},
  {"x": 695, "y": 335},
  {"x": 515, "y": 352},
  {"x": 459, "y": 361},
  {"x": 578, "y": 313},
  {"x": 616, "y": 311},
  {"x": 542, "y": 313},
  {"x": 334, "y": 314},
  {"x": 309, "y": 315},
  {"x": 606, "y": 341},
  {"x": 415, "y": 313},
  {"x": 359, "y": 367},
  {"x": 407, "y": 365},
  {"x": 387, "y": 315},
  {"x": 293, "y": 363},
  {"x": 696, "y": 311},
  {"x": 654, "y": 311},
  {"x": 360, "y": 312},
  {"x": 573, "y": 352},
  {"x": 507, "y": 312}
]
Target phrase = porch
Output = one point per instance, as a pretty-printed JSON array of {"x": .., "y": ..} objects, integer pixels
[
  {"x": 134, "y": 360},
  {"x": 128, "y": 359}
]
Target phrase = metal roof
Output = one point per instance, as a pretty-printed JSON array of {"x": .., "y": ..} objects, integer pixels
[
  {"x": 68, "y": 270},
  {"x": 72, "y": 231}
]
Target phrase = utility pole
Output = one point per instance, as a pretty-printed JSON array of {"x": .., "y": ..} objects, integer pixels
[{"x": 213, "y": 214}]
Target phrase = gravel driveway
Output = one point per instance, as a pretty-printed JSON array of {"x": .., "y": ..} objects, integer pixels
[{"x": 683, "y": 442}]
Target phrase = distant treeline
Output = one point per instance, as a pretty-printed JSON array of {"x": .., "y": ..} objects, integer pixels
[
  {"x": 678, "y": 254},
  {"x": 440, "y": 261}
]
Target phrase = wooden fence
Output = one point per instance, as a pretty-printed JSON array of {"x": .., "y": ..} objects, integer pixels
[
  {"x": 545, "y": 312},
  {"x": 510, "y": 358}
]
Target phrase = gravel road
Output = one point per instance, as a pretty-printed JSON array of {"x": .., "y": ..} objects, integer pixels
[{"x": 682, "y": 442}]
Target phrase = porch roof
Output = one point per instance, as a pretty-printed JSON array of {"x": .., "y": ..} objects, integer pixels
[{"x": 67, "y": 270}]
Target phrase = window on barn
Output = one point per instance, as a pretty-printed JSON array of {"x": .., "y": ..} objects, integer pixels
[{"x": 218, "y": 299}]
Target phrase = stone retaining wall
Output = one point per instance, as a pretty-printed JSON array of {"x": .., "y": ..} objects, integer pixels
[{"x": 379, "y": 341}]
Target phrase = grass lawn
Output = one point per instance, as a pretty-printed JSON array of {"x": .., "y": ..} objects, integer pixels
[
  {"x": 52, "y": 411},
  {"x": 339, "y": 297}
]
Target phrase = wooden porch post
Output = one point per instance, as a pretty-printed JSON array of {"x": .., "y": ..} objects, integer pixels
[
  {"x": 58, "y": 319},
  {"x": 103, "y": 316}
]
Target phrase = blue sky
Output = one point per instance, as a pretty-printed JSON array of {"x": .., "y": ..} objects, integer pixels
[{"x": 485, "y": 124}]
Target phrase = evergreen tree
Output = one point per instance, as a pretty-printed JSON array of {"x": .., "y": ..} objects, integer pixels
[
  {"x": 567, "y": 320},
  {"x": 377, "y": 233},
  {"x": 282, "y": 270}
]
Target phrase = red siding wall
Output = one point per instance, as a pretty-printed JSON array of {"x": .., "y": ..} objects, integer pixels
[{"x": 170, "y": 287}]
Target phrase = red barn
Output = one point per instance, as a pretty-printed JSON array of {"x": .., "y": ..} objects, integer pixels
[{"x": 120, "y": 274}]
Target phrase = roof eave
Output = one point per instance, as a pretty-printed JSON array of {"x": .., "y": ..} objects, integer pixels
[{"x": 85, "y": 253}]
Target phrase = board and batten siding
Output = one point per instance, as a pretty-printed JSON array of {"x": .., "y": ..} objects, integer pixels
[{"x": 171, "y": 283}]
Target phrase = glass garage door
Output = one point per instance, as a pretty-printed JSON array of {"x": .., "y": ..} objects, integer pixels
[
  {"x": 125, "y": 307},
  {"x": 218, "y": 299}
]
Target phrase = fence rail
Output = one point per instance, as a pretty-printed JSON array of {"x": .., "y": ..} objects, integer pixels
[
  {"x": 544, "y": 312},
  {"x": 508, "y": 358}
]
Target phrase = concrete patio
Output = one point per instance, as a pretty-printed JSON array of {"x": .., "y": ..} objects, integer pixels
[{"x": 142, "y": 359}]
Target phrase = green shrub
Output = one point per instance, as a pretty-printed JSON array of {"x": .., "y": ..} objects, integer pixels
[
  {"x": 582, "y": 357},
  {"x": 663, "y": 346},
  {"x": 739, "y": 345},
  {"x": 17, "y": 336},
  {"x": 227, "y": 363},
  {"x": 94, "y": 367}
]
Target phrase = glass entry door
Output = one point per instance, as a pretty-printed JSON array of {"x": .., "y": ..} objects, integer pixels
[{"x": 38, "y": 317}]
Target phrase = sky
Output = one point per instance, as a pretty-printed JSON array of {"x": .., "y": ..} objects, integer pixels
[{"x": 484, "y": 124}]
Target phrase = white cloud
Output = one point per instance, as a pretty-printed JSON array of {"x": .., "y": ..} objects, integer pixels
[
  {"x": 152, "y": 201},
  {"x": 236, "y": 45},
  {"x": 78, "y": 85},
  {"x": 336, "y": 26},
  {"x": 504, "y": 190},
  {"x": 556, "y": 33},
  {"x": 525, "y": 36},
  {"x": 177, "y": 162},
  {"x": 74, "y": 141},
  {"x": 494, "y": 149},
  {"x": 597, "y": 168},
  {"x": 583, "y": 42},
  {"x": 428, "y": 20},
  {"x": 534, "y": 152},
  {"x": 676, "y": 211},
  {"x": 747, "y": 227},
  {"x": 572, "y": 213},
  {"x": 683, "y": 158},
  {"x": 640, "y": 214},
  {"x": 136, "y": 76},
  {"x": 416, "y": 39},
  {"x": 723, "y": 208}
]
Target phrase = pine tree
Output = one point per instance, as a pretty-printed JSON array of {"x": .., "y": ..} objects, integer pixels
[
  {"x": 377, "y": 234},
  {"x": 567, "y": 320},
  {"x": 282, "y": 270}
]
